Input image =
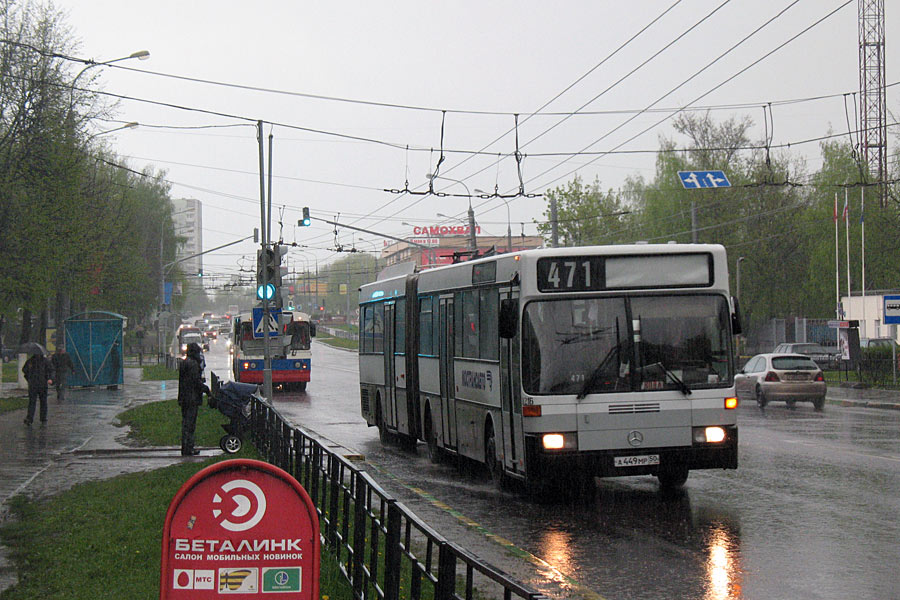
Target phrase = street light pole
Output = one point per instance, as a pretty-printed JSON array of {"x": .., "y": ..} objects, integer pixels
[
  {"x": 508, "y": 218},
  {"x": 473, "y": 244}
]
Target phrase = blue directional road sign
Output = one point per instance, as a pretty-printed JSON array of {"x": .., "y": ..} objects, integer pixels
[
  {"x": 259, "y": 328},
  {"x": 693, "y": 180}
]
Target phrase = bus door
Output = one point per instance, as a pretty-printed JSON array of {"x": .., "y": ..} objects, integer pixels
[
  {"x": 390, "y": 384},
  {"x": 511, "y": 397},
  {"x": 448, "y": 383}
]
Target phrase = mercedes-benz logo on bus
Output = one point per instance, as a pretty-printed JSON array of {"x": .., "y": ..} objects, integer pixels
[{"x": 635, "y": 438}]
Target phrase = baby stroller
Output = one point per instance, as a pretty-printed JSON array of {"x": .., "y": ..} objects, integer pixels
[{"x": 233, "y": 400}]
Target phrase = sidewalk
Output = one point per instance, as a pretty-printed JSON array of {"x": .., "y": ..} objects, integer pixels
[
  {"x": 80, "y": 442},
  {"x": 845, "y": 395}
]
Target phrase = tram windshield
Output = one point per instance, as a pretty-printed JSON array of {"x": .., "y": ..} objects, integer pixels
[{"x": 626, "y": 344}]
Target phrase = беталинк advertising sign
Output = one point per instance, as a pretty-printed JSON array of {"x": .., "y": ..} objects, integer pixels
[{"x": 240, "y": 527}]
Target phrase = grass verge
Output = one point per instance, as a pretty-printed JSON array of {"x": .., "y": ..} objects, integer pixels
[
  {"x": 339, "y": 342},
  {"x": 158, "y": 373},
  {"x": 103, "y": 539}
]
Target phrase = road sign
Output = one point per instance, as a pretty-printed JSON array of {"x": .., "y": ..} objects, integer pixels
[
  {"x": 892, "y": 310},
  {"x": 258, "y": 326},
  {"x": 694, "y": 180},
  {"x": 240, "y": 527}
]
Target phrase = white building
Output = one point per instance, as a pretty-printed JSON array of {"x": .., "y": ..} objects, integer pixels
[
  {"x": 869, "y": 311},
  {"x": 188, "y": 219}
]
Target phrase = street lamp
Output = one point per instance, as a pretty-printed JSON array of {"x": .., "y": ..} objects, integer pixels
[
  {"x": 508, "y": 219},
  {"x": 132, "y": 125},
  {"x": 140, "y": 55},
  {"x": 473, "y": 245}
]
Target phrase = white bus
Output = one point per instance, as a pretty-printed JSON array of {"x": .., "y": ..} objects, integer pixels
[{"x": 559, "y": 364}]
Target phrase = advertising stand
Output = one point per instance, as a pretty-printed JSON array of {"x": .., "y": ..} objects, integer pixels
[{"x": 240, "y": 529}]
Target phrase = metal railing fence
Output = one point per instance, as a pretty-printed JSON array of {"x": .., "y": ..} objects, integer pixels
[{"x": 384, "y": 550}]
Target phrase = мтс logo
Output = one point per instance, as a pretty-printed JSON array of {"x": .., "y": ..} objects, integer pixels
[{"x": 248, "y": 509}]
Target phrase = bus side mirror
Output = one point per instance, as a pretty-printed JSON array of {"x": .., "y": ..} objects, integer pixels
[
  {"x": 736, "y": 326},
  {"x": 509, "y": 318}
]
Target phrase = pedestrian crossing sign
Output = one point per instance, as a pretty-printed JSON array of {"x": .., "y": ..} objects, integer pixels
[{"x": 260, "y": 326}]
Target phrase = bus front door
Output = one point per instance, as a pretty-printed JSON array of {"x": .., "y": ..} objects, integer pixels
[
  {"x": 511, "y": 398},
  {"x": 448, "y": 383},
  {"x": 390, "y": 385}
]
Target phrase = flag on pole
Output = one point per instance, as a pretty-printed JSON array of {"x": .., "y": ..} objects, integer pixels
[
  {"x": 835, "y": 208},
  {"x": 846, "y": 209}
]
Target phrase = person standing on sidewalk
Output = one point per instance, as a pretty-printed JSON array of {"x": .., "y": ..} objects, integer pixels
[
  {"x": 62, "y": 366},
  {"x": 38, "y": 373},
  {"x": 190, "y": 396}
]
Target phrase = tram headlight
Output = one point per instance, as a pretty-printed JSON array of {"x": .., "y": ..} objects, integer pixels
[
  {"x": 559, "y": 441},
  {"x": 709, "y": 435}
]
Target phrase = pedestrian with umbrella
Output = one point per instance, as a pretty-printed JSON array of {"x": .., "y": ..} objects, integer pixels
[
  {"x": 38, "y": 373},
  {"x": 62, "y": 366}
]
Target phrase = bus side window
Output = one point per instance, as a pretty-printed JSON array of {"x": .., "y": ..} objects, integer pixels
[
  {"x": 367, "y": 328},
  {"x": 425, "y": 326},
  {"x": 400, "y": 326},
  {"x": 488, "y": 309},
  {"x": 378, "y": 328}
]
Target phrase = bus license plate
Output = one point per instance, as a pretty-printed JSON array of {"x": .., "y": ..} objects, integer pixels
[{"x": 636, "y": 461}]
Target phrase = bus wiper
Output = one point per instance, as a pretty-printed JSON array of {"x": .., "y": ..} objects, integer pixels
[
  {"x": 590, "y": 381},
  {"x": 681, "y": 385}
]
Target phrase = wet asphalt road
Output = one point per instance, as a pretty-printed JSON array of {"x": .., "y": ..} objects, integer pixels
[{"x": 810, "y": 513}]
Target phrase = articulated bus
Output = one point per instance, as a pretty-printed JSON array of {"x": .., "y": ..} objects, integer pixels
[
  {"x": 290, "y": 351},
  {"x": 559, "y": 364}
]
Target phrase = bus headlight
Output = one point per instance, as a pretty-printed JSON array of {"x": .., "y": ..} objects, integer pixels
[
  {"x": 559, "y": 441},
  {"x": 709, "y": 435}
]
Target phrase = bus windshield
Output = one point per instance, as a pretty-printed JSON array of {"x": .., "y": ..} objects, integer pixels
[{"x": 589, "y": 345}]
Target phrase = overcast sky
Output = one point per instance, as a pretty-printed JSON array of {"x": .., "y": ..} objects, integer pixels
[{"x": 465, "y": 58}]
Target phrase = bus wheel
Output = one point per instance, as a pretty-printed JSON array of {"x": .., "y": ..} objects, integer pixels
[
  {"x": 300, "y": 386},
  {"x": 494, "y": 467},
  {"x": 435, "y": 453},
  {"x": 383, "y": 434},
  {"x": 673, "y": 477}
]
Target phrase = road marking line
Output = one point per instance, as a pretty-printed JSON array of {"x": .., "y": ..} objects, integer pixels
[{"x": 558, "y": 576}]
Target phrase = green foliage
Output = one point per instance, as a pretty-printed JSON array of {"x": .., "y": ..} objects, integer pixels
[
  {"x": 82, "y": 227},
  {"x": 158, "y": 373}
]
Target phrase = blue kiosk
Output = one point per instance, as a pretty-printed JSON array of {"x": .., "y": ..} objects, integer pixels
[{"x": 94, "y": 341}]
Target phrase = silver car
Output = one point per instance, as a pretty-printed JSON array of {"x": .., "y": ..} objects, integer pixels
[
  {"x": 789, "y": 378},
  {"x": 825, "y": 358}
]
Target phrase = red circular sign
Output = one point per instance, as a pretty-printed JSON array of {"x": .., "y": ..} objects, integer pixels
[{"x": 240, "y": 527}]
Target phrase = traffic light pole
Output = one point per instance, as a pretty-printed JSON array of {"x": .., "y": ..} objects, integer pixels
[{"x": 267, "y": 355}]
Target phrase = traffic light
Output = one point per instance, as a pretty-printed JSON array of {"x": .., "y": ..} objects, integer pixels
[
  {"x": 280, "y": 271},
  {"x": 265, "y": 272},
  {"x": 305, "y": 221}
]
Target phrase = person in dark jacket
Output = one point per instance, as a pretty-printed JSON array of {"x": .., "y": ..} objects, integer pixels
[
  {"x": 38, "y": 373},
  {"x": 62, "y": 366},
  {"x": 190, "y": 396}
]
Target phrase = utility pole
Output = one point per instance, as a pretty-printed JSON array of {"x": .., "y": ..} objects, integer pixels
[
  {"x": 267, "y": 355},
  {"x": 554, "y": 224}
]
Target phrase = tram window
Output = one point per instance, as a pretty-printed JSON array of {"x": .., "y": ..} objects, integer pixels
[
  {"x": 425, "y": 322},
  {"x": 488, "y": 335},
  {"x": 378, "y": 328},
  {"x": 367, "y": 328},
  {"x": 400, "y": 327}
]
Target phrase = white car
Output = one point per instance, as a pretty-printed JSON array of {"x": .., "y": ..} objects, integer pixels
[{"x": 790, "y": 378}]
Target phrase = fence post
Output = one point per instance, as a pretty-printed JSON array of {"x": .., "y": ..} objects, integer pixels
[
  {"x": 392, "y": 552},
  {"x": 446, "y": 579},
  {"x": 359, "y": 538},
  {"x": 334, "y": 486}
]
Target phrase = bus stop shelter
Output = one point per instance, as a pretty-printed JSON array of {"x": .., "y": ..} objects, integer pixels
[{"x": 94, "y": 341}]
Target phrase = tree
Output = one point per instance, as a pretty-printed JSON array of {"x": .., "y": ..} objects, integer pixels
[{"x": 585, "y": 215}]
